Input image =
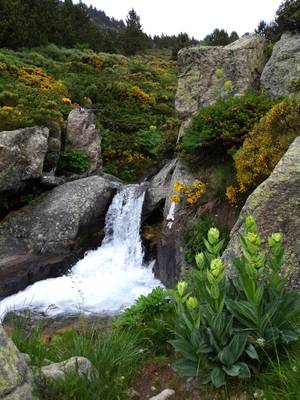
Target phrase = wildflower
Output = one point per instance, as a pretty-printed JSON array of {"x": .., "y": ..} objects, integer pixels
[
  {"x": 275, "y": 239},
  {"x": 219, "y": 73},
  {"x": 200, "y": 260},
  {"x": 7, "y": 108},
  {"x": 66, "y": 100},
  {"x": 294, "y": 368},
  {"x": 217, "y": 267},
  {"x": 175, "y": 198},
  {"x": 250, "y": 224},
  {"x": 181, "y": 288},
  {"x": 261, "y": 342},
  {"x": 192, "y": 303},
  {"x": 213, "y": 235}
]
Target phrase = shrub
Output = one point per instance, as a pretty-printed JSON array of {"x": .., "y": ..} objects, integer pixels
[
  {"x": 190, "y": 193},
  {"x": 151, "y": 318},
  {"x": 148, "y": 140},
  {"x": 264, "y": 146},
  {"x": 223, "y": 125},
  {"x": 224, "y": 328},
  {"x": 76, "y": 161}
]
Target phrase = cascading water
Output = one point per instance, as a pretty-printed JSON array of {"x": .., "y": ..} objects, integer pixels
[{"x": 105, "y": 280}]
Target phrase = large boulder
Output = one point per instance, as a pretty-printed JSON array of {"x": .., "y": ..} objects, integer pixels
[
  {"x": 82, "y": 134},
  {"x": 159, "y": 188},
  {"x": 242, "y": 62},
  {"x": 22, "y": 154},
  {"x": 275, "y": 204},
  {"x": 41, "y": 238},
  {"x": 283, "y": 67},
  {"x": 15, "y": 375}
]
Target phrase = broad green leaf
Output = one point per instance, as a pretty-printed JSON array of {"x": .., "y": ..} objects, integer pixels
[
  {"x": 217, "y": 377},
  {"x": 231, "y": 353},
  {"x": 234, "y": 370},
  {"x": 244, "y": 370},
  {"x": 251, "y": 351}
]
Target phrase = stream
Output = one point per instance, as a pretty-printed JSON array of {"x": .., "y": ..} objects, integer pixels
[{"x": 107, "y": 279}]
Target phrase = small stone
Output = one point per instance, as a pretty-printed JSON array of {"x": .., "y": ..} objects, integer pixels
[
  {"x": 79, "y": 365},
  {"x": 165, "y": 394}
]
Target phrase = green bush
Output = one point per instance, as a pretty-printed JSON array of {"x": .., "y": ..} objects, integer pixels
[
  {"x": 225, "y": 329},
  {"x": 76, "y": 161},
  {"x": 223, "y": 125},
  {"x": 149, "y": 140},
  {"x": 151, "y": 318}
]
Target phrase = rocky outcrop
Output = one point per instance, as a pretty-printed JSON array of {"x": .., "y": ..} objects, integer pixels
[
  {"x": 54, "y": 147},
  {"x": 15, "y": 375},
  {"x": 159, "y": 188},
  {"x": 283, "y": 67},
  {"x": 82, "y": 134},
  {"x": 80, "y": 366},
  {"x": 169, "y": 253},
  {"x": 241, "y": 62},
  {"x": 275, "y": 204},
  {"x": 22, "y": 154},
  {"x": 41, "y": 238}
]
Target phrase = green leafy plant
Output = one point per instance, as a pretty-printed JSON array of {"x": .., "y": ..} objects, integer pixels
[
  {"x": 76, "y": 161},
  {"x": 223, "y": 125},
  {"x": 194, "y": 235},
  {"x": 225, "y": 327},
  {"x": 151, "y": 317},
  {"x": 149, "y": 140}
]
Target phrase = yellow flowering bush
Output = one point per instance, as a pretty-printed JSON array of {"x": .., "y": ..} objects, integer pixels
[
  {"x": 190, "y": 193},
  {"x": 137, "y": 93},
  {"x": 264, "y": 147}
]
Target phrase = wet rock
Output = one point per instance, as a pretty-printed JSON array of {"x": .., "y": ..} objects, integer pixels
[
  {"x": 40, "y": 239},
  {"x": 82, "y": 134},
  {"x": 15, "y": 375},
  {"x": 164, "y": 395},
  {"x": 283, "y": 67},
  {"x": 275, "y": 204},
  {"x": 80, "y": 366},
  {"x": 159, "y": 187},
  {"x": 22, "y": 155}
]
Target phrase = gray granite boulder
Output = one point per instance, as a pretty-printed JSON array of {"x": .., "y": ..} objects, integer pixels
[
  {"x": 80, "y": 366},
  {"x": 275, "y": 204},
  {"x": 16, "y": 382},
  {"x": 22, "y": 155},
  {"x": 242, "y": 63},
  {"x": 283, "y": 67},
  {"x": 41, "y": 238},
  {"x": 82, "y": 134}
]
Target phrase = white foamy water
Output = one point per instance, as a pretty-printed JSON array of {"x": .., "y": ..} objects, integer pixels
[{"x": 105, "y": 280}]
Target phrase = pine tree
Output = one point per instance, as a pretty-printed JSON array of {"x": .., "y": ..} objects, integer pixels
[{"x": 132, "y": 37}]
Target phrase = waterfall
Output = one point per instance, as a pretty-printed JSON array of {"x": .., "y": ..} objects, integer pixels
[{"x": 107, "y": 279}]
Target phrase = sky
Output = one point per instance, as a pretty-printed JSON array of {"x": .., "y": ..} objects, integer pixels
[{"x": 196, "y": 17}]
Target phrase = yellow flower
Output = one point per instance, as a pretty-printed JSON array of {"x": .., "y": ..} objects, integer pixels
[
  {"x": 7, "y": 108},
  {"x": 175, "y": 198},
  {"x": 66, "y": 100}
]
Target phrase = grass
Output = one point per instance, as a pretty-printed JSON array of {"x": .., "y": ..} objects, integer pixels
[{"x": 117, "y": 358}]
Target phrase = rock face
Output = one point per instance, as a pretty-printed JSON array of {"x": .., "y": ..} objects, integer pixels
[
  {"x": 275, "y": 204},
  {"x": 80, "y": 366},
  {"x": 54, "y": 147},
  {"x": 15, "y": 376},
  {"x": 283, "y": 66},
  {"x": 242, "y": 62},
  {"x": 169, "y": 257},
  {"x": 159, "y": 187},
  {"x": 22, "y": 154},
  {"x": 39, "y": 239},
  {"x": 82, "y": 134}
]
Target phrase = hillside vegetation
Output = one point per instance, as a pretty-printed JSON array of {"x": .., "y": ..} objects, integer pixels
[{"x": 133, "y": 98}]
